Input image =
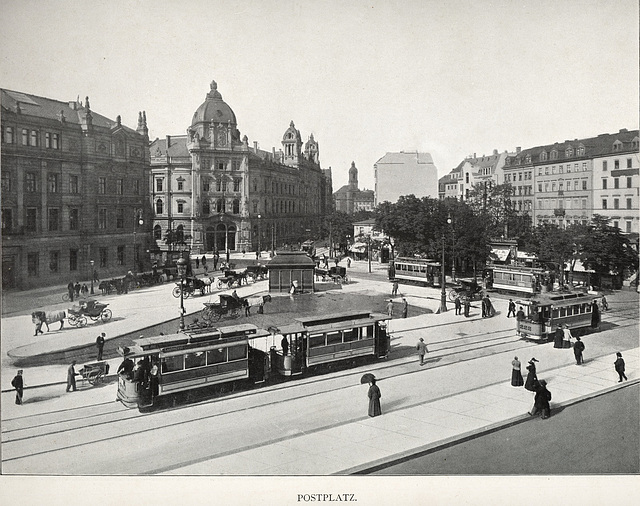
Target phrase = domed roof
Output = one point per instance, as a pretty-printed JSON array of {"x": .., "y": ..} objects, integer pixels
[{"x": 214, "y": 109}]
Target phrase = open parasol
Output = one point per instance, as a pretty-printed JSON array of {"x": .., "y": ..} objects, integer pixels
[{"x": 366, "y": 378}]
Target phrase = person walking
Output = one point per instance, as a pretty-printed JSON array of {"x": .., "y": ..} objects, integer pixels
[
  {"x": 605, "y": 304},
  {"x": 394, "y": 289},
  {"x": 390, "y": 308},
  {"x": 405, "y": 307},
  {"x": 467, "y": 306},
  {"x": 619, "y": 365},
  {"x": 374, "y": 399},
  {"x": 516, "y": 375},
  {"x": 558, "y": 337},
  {"x": 578, "y": 348},
  {"x": 541, "y": 401},
  {"x": 18, "y": 383},
  {"x": 76, "y": 289},
  {"x": 595, "y": 315},
  {"x": 71, "y": 290},
  {"x": 422, "y": 350},
  {"x": 532, "y": 377},
  {"x": 512, "y": 308},
  {"x": 489, "y": 307},
  {"x": 100, "y": 345},
  {"x": 197, "y": 262},
  {"x": 458, "y": 305},
  {"x": 485, "y": 310},
  {"x": 568, "y": 337},
  {"x": 71, "y": 377}
]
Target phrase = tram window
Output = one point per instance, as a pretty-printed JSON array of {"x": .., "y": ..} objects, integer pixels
[
  {"x": 570, "y": 310},
  {"x": 563, "y": 311},
  {"x": 216, "y": 356},
  {"x": 367, "y": 332},
  {"x": 555, "y": 314},
  {"x": 350, "y": 335},
  {"x": 237, "y": 352},
  {"x": 171, "y": 364},
  {"x": 334, "y": 337},
  {"x": 317, "y": 340},
  {"x": 192, "y": 360},
  {"x": 423, "y": 268}
]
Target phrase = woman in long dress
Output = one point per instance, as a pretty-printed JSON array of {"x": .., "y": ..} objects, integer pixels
[
  {"x": 532, "y": 377},
  {"x": 516, "y": 375},
  {"x": 558, "y": 337},
  {"x": 374, "y": 399}
]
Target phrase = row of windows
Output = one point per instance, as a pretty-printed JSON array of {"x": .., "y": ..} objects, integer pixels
[
  {"x": 31, "y": 184},
  {"x": 616, "y": 203},
  {"x": 340, "y": 336},
  {"x": 561, "y": 169},
  {"x": 616, "y": 183},
  {"x": 562, "y": 204},
  {"x": 203, "y": 358},
  {"x": 31, "y": 138},
  {"x": 54, "y": 258},
  {"x": 54, "y": 215},
  {"x": 559, "y": 186},
  {"x": 520, "y": 176}
]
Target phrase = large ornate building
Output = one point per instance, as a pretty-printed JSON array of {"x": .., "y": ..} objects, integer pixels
[
  {"x": 350, "y": 199},
  {"x": 214, "y": 192},
  {"x": 74, "y": 192}
]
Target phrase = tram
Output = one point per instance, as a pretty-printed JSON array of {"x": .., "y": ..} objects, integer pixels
[
  {"x": 229, "y": 357},
  {"x": 544, "y": 312},
  {"x": 421, "y": 270},
  {"x": 516, "y": 279}
]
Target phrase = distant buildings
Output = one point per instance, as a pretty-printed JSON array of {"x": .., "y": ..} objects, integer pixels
[
  {"x": 349, "y": 199},
  {"x": 214, "y": 192},
  {"x": 74, "y": 192},
  {"x": 405, "y": 173}
]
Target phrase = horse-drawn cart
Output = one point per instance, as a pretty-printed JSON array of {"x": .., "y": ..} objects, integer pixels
[
  {"x": 231, "y": 278},
  {"x": 256, "y": 272},
  {"x": 94, "y": 372},
  {"x": 228, "y": 306},
  {"x": 77, "y": 315},
  {"x": 189, "y": 287},
  {"x": 336, "y": 274},
  {"x": 467, "y": 288}
]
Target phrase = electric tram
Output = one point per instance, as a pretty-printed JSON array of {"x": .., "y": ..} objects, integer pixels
[
  {"x": 544, "y": 312},
  {"x": 421, "y": 270},
  {"x": 516, "y": 279},
  {"x": 228, "y": 357}
]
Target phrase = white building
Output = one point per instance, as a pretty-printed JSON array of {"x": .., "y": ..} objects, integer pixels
[{"x": 405, "y": 173}]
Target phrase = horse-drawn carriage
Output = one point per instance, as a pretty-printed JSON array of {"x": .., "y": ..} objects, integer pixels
[
  {"x": 256, "y": 272},
  {"x": 336, "y": 274},
  {"x": 77, "y": 315},
  {"x": 466, "y": 288},
  {"x": 231, "y": 278},
  {"x": 228, "y": 306},
  {"x": 189, "y": 287}
]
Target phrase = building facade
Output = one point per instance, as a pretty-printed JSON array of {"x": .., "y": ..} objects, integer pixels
[
  {"x": 405, "y": 173},
  {"x": 350, "y": 199},
  {"x": 472, "y": 170},
  {"x": 214, "y": 192},
  {"x": 74, "y": 192}
]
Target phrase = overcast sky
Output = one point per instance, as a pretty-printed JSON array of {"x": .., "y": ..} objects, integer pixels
[{"x": 447, "y": 77}]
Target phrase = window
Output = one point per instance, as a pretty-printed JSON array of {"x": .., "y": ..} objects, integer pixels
[
  {"x": 171, "y": 364},
  {"x": 546, "y": 187},
  {"x": 616, "y": 164},
  {"x": 584, "y": 166},
  {"x": 30, "y": 182},
  {"x": 584, "y": 203},
  {"x": 539, "y": 187},
  {"x": 546, "y": 170},
  {"x": 568, "y": 168},
  {"x": 205, "y": 185},
  {"x": 192, "y": 360},
  {"x": 158, "y": 185},
  {"x": 616, "y": 203},
  {"x": 616, "y": 224},
  {"x": 604, "y": 184},
  {"x": 102, "y": 185},
  {"x": 255, "y": 185},
  {"x": 119, "y": 218},
  {"x": 616, "y": 182},
  {"x": 604, "y": 165},
  {"x": 221, "y": 165},
  {"x": 628, "y": 182},
  {"x": 236, "y": 185},
  {"x": 33, "y": 265},
  {"x": 576, "y": 183},
  {"x": 34, "y": 138},
  {"x": 52, "y": 183},
  {"x": 553, "y": 169},
  {"x": 73, "y": 184},
  {"x": 181, "y": 207},
  {"x": 120, "y": 255},
  {"x": 6, "y": 181},
  {"x": 236, "y": 165},
  {"x": 47, "y": 140},
  {"x": 54, "y": 261},
  {"x": 157, "y": 232},
  {"x": 467, "y": 177},
  {"x": 628, "y": 203},
  {"x": 628, "y": 163},
  {"x": 553, "y": 187},
  {"x": 159, "y": 207},
  {"x": 8, "y": 135},
  {"x": 120, "y": 186},
  {"x": 628, "y": 227},
  {"x": 236, "y": 207},
  {"x": 206, "y": 208},
  {"x": 604, "y": 203},
  {"x": 74, "y": 219},
  {"x": 560, "y": 169},
  {"x": 7, "y": 220},
  {"x": 180, "y": 184},
  {"x": 31, "y": 216},
  {"x": 53, "y": 219},
  {"x": 55, "y": 144},
  {"x": 102, "y": 218},
  {"x": 102, "y": 253},
  {"x": 237, "y": 352},
  {"x": 73, "y": 259},
  {"x": 584, "y": 185},
  {"x": 25, "y": 137}
]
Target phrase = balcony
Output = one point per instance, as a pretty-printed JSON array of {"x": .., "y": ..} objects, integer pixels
[{"x": 558, "y": 212}]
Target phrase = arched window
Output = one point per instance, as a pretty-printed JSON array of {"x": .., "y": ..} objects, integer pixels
[
  {"x": 157, "y": 232},
  {"x": 159, "y": 207},
  {"x": 206, "y": 208},
  {"x": 236, "y": 206},
  {"x": 179, "y": 234}
]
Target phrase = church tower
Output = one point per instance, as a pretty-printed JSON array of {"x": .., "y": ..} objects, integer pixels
[
  {"x": 311, "y": 151},
  {"x": 353, "y": 176}
]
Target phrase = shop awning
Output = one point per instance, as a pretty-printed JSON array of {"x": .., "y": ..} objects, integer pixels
[{"x": 500, "y": 254}]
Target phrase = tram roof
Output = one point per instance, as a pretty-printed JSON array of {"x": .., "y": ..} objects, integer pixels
[
  {"x": 334, "y": 317},
  {"x": 414, "y": 260},
  {"x": 347, "y": 323},
  {"x": 559, "y": 299}
]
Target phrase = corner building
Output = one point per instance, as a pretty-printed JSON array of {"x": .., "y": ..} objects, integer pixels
[{"x": 215, "y": 192}]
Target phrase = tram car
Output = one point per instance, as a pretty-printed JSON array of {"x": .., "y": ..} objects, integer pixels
[
  {"x": 515, "y": 279},
  {"x": 229, "y": 357},
  {"x": 544, "y": 312},
  {"x": 421, "y": 270}
]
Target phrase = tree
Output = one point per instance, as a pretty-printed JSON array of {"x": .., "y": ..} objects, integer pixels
[
  {"x": 553, "y": 245},
  {"x": 339, "y": 225}
]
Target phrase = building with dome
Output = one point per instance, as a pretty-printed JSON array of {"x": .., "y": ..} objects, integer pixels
[
  {"x": 212, "y": 191},
  {"x": 350, "y": 199}
]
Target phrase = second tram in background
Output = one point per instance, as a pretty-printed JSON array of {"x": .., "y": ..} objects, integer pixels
[
  {"x": 228, "y": 357},
  {"x": 515, "y": 279},
  {"x": 420, "y": 270}
]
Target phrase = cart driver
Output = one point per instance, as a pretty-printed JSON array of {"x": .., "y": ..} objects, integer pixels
[
  {"x": 126, "y": 368},
  {"x": 234, "y": 294}
]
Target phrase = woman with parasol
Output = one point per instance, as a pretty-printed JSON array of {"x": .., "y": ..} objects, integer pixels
[{"x": 374, "y": 394}]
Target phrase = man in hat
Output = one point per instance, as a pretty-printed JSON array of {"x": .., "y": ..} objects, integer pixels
[
  {"x": 71, "y": 377},
  {"x": 390, "y": 308},
  {"x": 405, "y": 307},
  {"x": 100, "y": 345},
  {"x": 422, "y": 349},
  {"x": 18, "y": 384},
  {"x": 619, "y": 365},
  {"x": 512, "y": 308},
  {"x": 578, "y": 348}
]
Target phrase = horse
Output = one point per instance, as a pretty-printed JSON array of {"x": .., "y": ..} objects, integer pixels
[
  {"x": 207, "y": 280},
  {"x": 47, "y": 317},
  {"x": 258, "y": 300}
]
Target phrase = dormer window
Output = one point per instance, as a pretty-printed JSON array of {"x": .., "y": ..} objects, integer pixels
[
  {"x": 617, "y": 146},
  {"x": 543, "y": 156},
  {"x": 527, "y": 159},
  {"x": 554, "y": 154},
  {"x": 569, "y": 152},
  {"x": 581, "y": 150}
]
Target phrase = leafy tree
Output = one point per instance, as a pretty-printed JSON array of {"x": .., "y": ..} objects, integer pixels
[
  {"x": 553, "y": 245},
  {"x": 339, "y": 225}
]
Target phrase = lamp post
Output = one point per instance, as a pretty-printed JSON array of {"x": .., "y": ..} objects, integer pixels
[
  {"x": 453, "y": 254},
  {"x": 273, "y": 240},
  {"x": 369, "y": 251},
  {"x": 137, "y": 221},
  {"x": 443, "y": 293},
  {"x": 259, "y": 233},
  {"x": 181, "y": 264},
  {"x": 92, "y": 276}
]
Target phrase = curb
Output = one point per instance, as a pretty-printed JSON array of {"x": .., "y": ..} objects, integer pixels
[{"x": 407, "y": 455}]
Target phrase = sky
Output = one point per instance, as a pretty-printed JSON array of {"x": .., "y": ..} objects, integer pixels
[{"x": 364, "y": 77}]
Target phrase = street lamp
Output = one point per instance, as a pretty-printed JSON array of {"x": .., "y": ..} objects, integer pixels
[
  {"x": 453, "y": 254},
  {"x": 369, "y": 251},
  {"x": 259, "y": 233},
  {"x": 443, "y": 293},
  {"x": 92, "y": 276},
  {"x": 181, "y": 264},
  {"x": 138, "y": 221}
]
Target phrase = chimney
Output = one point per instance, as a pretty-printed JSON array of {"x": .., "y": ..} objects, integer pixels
[
  {"x": 73, "y": 105},
  {"x": 255, "y": 147},
  {"x": 474, "y": 155},
  {"x": 623, "y": 131},
  {"x": 518, "y": 149},
  {"x": 495, "y": 151},
  {"x": 168, "y": 141}
]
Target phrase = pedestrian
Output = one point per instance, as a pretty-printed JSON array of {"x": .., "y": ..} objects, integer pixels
[
  {"x": 619, "y": 365},
  {"x": 485, "y": 311},
  {"x": 568, "y": 337},
  {"x": 71, "y": 289},
  {"x": 605, "y": 304},
  {"x": 374, "y": 399},
  {"x": 197, "y": 262},
  {"x": 285, "y": 346},
  {"x": 467, "y": 306},
  {"x": 18, "y": 383},
  {"x": 541, "y": 401},
  {"x": 595, "y": 315},
  {"x": 76, "y": 289},
  {"x": 216, "y": 259},
  {"x": 228, "y": 256},
  {"x": 257, "y": 254},
  {"x": 100, "y": 345},
  {"x": 348, "y": 262},
  {"x": 489, "y": 307},
  {"x": 532, "y": 377},
  {"x": 71, "y": 377},
  {"x": 520, "y": 314},
  {"x": 558, "y": 337},
  {"x": 512, "y": 308},
  {"x": 458, "y": 305},
  {"x": 422, "y": 349},
  {"x": 84, "y": 290},
  {"x": 95, "y": 276},
  {"x": 516, "y": 375},
  {"x": 394, "y": 289},
  {"x": 578, "y": 348},
  {"x": 405, "y": 307},
  {"x": 390, "y": 308}
]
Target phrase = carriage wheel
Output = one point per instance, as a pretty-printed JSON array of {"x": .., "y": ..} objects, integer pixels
[
  {"x": 81, "y": 321},
  {"x": 206, "y": 314},
  {"x": 453, "y": 295},
  {"x": 338, "y": 279},
  {"x": 218, "y": 284},
  {"x": 186, "y": 294},
  {"x": 176, "y": 292},
  {"x": 216, "y": 316},
  {"x": 202, "y": 290},
  {"x": 347, "y": 279},
  {"x": 105, "y": 315}
]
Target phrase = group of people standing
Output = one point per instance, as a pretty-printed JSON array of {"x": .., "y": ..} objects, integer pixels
[
  {"x": 542, "y": 395},
  {"x": 563, "y": 338},
  {"x": 76, "y": 289}
]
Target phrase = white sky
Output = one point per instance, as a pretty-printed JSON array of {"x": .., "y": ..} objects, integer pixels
[{"x": 447, "y": 77}]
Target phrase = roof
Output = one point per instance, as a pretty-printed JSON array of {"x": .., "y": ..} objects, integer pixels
[
  {"x": 295, "y": 259},
  {"x": 405, "y": 156},
  {"x": 177, "y": 146},
  {"x": 214, "y": 109},
  {"x": 365, "y": 223}
]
